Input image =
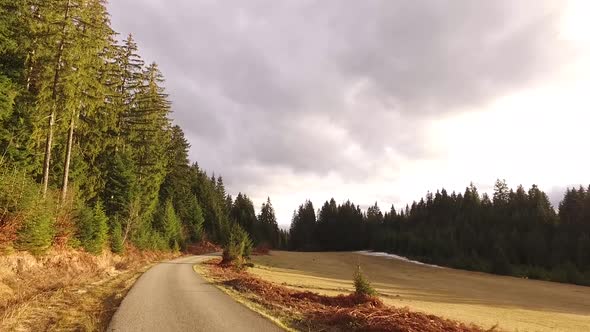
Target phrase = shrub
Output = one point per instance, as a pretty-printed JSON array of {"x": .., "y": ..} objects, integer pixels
[
  {"x": 26, "y": 218},
  {"x": 167, "y": 228},
  {"x": 37, "y": 232},
  {"x": 362, "y": 286},
  {"x": 117, "y": 245},
  {"x": 92, "y": 227},
  {"x": 238, "y": 247},
  {"x": 196, "y": 221},
  {"x": 172, "y": 227}
]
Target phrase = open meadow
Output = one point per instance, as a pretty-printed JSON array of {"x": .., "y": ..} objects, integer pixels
[{"x": 513, "y": 304}]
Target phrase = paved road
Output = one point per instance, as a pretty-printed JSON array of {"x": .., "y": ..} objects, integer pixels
[{"x": 171, "y": 296}]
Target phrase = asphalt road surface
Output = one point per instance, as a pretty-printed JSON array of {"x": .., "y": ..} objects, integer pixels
[{"x": 171, "y": 296}]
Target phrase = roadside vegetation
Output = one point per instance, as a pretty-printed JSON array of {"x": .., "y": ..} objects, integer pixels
[
  {"x": 95, "y": 179},
  {"x": 89, "y": 155},
  {"x": 360, "y": 310},
  {"x": 67, "y": 290}
]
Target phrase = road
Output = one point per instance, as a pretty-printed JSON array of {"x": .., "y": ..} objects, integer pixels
[{"x": 171, "y": 296}]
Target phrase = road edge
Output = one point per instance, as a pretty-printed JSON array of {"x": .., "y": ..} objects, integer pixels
[{"x": 197, "y": 268}]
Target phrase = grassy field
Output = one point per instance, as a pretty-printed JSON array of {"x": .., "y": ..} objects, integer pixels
[{"x": 513, "y": 304}]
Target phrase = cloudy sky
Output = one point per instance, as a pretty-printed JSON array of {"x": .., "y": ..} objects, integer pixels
[{"x": 377, "y": 100}]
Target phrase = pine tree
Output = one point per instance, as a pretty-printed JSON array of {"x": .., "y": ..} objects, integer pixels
[
  {"x": 501, "y": 193},
  {"x": 117, "y": 244},
  {"x": 267, "y": 223},
  {"x": 303, "y": 227},
  {"x": 373, "y": 224},
  {"x": 92, "y": 227},
  {"x": 120, "y": 185},
  {"x": 148, "y": 136},
  {"x": 243, "y": 214}
]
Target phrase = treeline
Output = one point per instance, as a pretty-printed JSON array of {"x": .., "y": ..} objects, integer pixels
[
  {"x": 88, "y": 153},
  {"x": 515, "y": 232}
]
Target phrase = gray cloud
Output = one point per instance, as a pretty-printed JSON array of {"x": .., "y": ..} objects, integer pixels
[{"x": 327, "y": 86}]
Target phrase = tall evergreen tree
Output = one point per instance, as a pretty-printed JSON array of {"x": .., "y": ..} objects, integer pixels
[{"x": 267, "y": 229}]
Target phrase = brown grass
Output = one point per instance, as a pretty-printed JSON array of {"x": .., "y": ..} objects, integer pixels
[
  {"x": 203, "y": 247},
  {"x": 66, "y": 289},
  {"x": 513, "y": 304},
  {"x": 261, "y": 249},
  {"x": 306, "y": 310}
]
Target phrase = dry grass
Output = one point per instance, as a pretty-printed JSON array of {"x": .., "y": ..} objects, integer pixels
[
  {"x": 203, "y": 247},
  {"x": 513, "y": 304},
  {"x": 304, "y": 310},
  {"x": 65, "y": 289}
]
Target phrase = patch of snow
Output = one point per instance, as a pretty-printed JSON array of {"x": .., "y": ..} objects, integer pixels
[{"x": 392, "y": 256}]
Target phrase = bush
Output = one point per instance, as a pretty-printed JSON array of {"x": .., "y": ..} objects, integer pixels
[
  {"x": 362, "y": 286},
  {"x": 196, "y": 221},
  {"x": 172, "y": 227},
  {"x": 117, "y": 245},
  {"x": 238, "y": 247},
  {"x": 92, "y": 227},
  {"x": 36, "y": 234},
  {"x": 26, "y": 218}
]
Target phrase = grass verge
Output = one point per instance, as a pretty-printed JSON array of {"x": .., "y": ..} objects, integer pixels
[
  {"x": 304, "y": 310},
  {"x": 67, "y": 290}
]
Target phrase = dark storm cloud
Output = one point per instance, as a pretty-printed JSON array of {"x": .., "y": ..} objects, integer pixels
[{"x": 324, "y": 86}]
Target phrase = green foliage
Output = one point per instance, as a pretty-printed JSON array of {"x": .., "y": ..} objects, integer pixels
[
  {"x": 238, "y": 246},
  {"x": 195, "y": 221},
  {"x": 23, "y": 209},
  {"x": 117, "y": 244},
  {"x": 172, "y": 227},
  {"x": 36, "y": 234},
  {"x": 168, "y": 226},
  {"x": 92, "y": 227},
  {"x": 242, "y": 212},
  {"x": 62, "y": 61},
  {"x": 362, "y": 286},
  {"x": 120, "y": 186},
  {"x": 303, "y": 233},
  {"x": 266, "y": 229},
  {"x": 7, "y": 95}
]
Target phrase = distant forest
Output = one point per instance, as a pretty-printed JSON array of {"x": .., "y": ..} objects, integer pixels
[
  {"x": 515, "y": 232},
  {"x": 89, "y": 157}
]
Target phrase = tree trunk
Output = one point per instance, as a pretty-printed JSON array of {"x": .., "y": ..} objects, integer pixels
[
  {"x": 49, "y": 140},
  {"x": 64, "y": 187},
  {"x": 48, "y": 144}
]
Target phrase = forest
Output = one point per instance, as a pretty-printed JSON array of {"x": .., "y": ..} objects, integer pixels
[
  {"x": 515, "y": 232},
  {"x": 90, "y": 158},
  {"x": 89, "y": 155}
]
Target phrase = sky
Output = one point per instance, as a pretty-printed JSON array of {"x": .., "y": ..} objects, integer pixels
[{"x": 377, "y": 100}]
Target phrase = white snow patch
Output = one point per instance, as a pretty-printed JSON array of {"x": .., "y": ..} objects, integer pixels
[{"x": 392, "y": 256}]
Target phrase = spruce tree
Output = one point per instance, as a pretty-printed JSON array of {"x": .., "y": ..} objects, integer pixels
[
  {"x": 148, "y": 136},
  {"x": 267, "y": 224}
]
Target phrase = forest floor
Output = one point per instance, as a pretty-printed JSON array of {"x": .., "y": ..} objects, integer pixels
[
  {"x": 513, "y": 304},
  {"x": 67, "y": 290}
]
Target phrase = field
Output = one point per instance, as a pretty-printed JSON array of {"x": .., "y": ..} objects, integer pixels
[{"x": 513, "y": 304}]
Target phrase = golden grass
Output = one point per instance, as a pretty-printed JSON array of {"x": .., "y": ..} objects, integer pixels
[
  {"x": 66, "y": 290},
  {"x": 309, "y": 311},
  {"x": 486, "y": 300}
]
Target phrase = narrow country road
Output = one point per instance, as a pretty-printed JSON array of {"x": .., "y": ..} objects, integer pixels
[{"x": 171, "y": 296}]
